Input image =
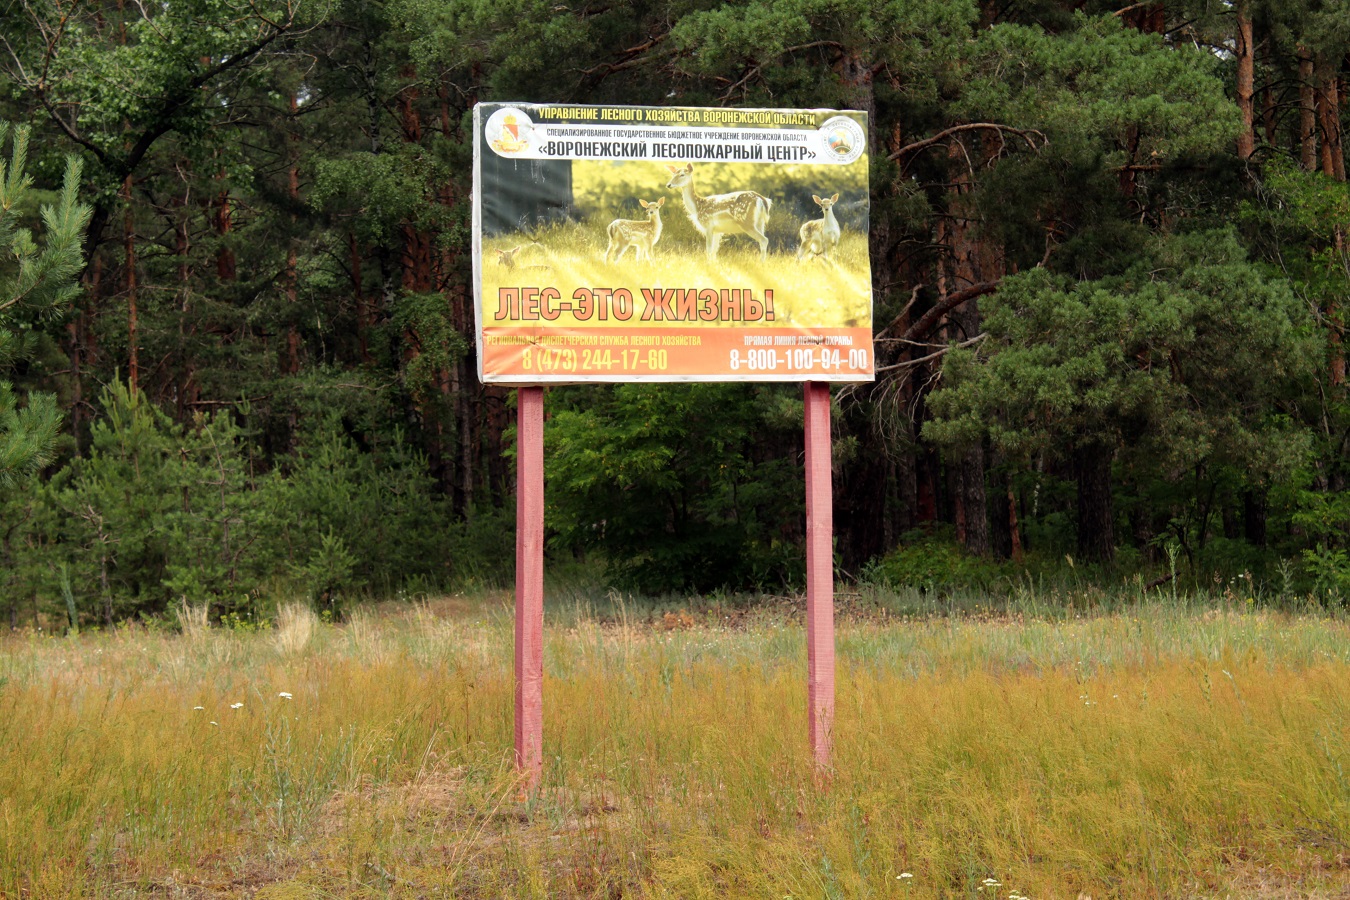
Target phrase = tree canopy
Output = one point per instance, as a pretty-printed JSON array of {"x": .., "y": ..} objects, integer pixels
[{"x": 1108, "y": 244}]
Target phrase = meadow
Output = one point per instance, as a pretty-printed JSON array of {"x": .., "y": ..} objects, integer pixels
[
  {"x": 1162, "y": 749},
  {"x": 822, "y": 293}
]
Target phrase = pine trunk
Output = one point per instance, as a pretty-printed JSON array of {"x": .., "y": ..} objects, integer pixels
[
  {"x": 1307, "y": 111},
  {"x": 974, "y": 259},
  {"x": 1246, "y": 79},
  {"x": 225, "y": 264},
  {"x": 1329, "y": 116}
]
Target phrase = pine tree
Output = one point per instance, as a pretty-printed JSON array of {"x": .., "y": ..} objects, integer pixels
[{"x": 36, "y": 280}]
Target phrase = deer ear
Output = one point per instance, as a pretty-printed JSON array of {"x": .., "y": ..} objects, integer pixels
[
  {"x": 835, "y": 198},
  {"x": 660, "y": 202},
  {"x": 815, "y": 198},
  {"x": 644, "y": 204},
  {"x": 689, "y": 167},
  {"x": 672, "y": 169}
]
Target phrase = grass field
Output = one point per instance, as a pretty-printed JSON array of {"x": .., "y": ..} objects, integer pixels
[
  {"x": 1154, "y": 752},
  {"x": 832, "y": 293}
]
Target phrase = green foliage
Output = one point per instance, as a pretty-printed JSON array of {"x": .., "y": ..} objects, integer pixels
[
  {"x": 1185, "y": 357},
  {"x": 340, "y": 517},
  {"x": 1102, "y": 82},
  {"x": 158, "y": 511},
  {"x": 667, "y": 482},
  {"x": 933, "y": 561},
  {"x": 288, "y": 184},
  {"x": 1330, "y": 572},
  {"x": 34, "y": 281}
]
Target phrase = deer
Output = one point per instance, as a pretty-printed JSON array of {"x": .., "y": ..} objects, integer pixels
[
  {"x": 640, "y": 234},
  {"x": 820, "y": 237},
  {"x": 507, "y": 258},
  {"x": 717, "y": 215}
]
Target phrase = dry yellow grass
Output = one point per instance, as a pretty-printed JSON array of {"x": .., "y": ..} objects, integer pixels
[
  {"x": 831, "y": 293},
  {"x": 1157, "y": 754},
  {"x": 295, "y": 627}
]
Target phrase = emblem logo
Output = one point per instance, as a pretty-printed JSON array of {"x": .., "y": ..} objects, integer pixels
[
  {"x": 844, "y": 139},
  {"x": 508, "y": 131}
]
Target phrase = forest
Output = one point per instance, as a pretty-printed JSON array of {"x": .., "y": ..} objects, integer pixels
[{"x": 1110, "y": 278}]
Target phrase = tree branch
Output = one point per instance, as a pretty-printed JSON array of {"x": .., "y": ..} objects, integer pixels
[
  {"x": 913, "y": 298},
  {"x": 1028, "y": 135},
  {"x": 911, "y": 363},
  {"x": 928, "y": 320}
]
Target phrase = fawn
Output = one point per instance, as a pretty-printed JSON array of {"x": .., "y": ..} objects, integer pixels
[
  {"x": 507, "y": 258},
  {"x": 819, "y": 237},
  {"x": 743, "y": 212},
  {"x": 640, "y": 234}
]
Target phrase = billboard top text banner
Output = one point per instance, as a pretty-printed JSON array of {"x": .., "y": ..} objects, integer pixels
[{"x": 670, "y": 244}]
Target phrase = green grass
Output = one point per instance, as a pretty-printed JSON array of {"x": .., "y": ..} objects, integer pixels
[{"x": 1158, "y": 751}]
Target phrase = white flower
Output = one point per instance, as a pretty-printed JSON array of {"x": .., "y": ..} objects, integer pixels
[
  {"x": 215, "y": 723},
  {"x": 235, "y": 705},
  {"x": 904, "y": 875},
  {"x": 285, "y": 695},
  {"x": 199, "y": 707}
]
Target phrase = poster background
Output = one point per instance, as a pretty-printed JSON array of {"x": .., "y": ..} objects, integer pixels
[{"x": 543, "y": 224}]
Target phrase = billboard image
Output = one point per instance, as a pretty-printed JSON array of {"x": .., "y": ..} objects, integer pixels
[{"x": 670, "y": 244}]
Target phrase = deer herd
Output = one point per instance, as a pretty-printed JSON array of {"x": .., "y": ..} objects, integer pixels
[{"x": 714, "y": 216}]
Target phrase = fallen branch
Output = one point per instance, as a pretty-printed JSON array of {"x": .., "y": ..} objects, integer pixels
[{"x": 1159, "y": 581}]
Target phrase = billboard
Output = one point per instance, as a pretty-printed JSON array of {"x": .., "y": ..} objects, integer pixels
[{"x": 624, "y": 243}]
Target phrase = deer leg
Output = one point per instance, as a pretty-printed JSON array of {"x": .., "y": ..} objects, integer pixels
[
  {"x": 714, "y": 242},
  {"x": 758, "y": 236}
]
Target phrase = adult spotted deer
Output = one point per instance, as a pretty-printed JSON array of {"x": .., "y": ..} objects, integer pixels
[
  {"x": 744, "y": 212},
  {"x": 819, "y": 237},
  {"x": 640, "y": 234}
]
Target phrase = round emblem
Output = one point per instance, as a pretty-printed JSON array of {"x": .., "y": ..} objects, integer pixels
[
  {"x": 844, "y": 139},
  {"x": 508, "y": 131}
]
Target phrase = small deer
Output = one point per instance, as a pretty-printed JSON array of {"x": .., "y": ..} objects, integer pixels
[
  {"x": 820, "y": 237},
  {"x": 743, "y": 212},
  {"x": 640, "y": 234},
  {"x": 507, "y": 258}
]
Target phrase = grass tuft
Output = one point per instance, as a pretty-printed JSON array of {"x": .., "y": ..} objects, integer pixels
[
  {"x": 194, "y": 620},
  {"x": 296, "y": 624}
]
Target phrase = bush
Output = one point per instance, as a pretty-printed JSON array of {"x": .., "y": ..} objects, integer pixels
[
  {"x": 157, "y": 513},
  {"x": 933, "y": 560}
]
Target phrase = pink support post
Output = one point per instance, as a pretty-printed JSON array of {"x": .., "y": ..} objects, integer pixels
[
  {"x": 819, "y": 572},
  {"x": 530, "y": 583}
]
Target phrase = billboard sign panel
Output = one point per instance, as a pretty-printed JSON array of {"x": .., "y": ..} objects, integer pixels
[{"x": 670, "y": 244}]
